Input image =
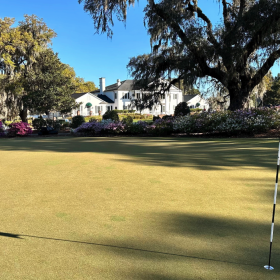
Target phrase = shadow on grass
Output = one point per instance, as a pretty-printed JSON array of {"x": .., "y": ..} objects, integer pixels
[
  {"x": 239, "y": 244},
  {"x": 186, "y": 240},
  {"x": 116, "y": 247},
  {"x": 215, "y": 154}
]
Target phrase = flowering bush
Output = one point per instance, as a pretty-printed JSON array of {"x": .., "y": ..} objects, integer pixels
[
  {"x": 104, "y": 126},
  {"x": 19, "y": 129},
  {"x": 139, "y": 127},
  {"x": 231, "y": 122},
  {"x": 161, "y": 127}
]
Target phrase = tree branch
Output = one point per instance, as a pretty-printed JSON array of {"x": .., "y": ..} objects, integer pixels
[
  {"x": 268, "y": 27},
  {"x": 241, "y": 8},
  {"x": 200, "y": 58},
  {"x": 264, "y": 69},
  {"x": 201, "y": 15},
  {"x": 225, "y": 12}
]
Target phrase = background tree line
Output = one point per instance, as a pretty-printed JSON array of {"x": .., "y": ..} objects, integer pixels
[{"x": 32, "y": 77}]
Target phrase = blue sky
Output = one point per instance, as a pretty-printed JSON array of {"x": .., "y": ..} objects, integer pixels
[{"x": 93, "y": 55}]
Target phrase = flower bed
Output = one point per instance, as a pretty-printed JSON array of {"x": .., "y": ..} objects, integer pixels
[{"x": 229, "y": 122}]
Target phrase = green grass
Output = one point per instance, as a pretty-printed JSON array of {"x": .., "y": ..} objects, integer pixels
[{"x": 137, "y": 208}]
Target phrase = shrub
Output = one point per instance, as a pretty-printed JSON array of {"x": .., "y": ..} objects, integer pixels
[
  {"x": 19, "y": 129},
  {"x": 39, "y": 122},
  {"x": 230, "y": 122},
  {"x": 161, "y": 127},
  {"x": 139, "y": 127},
  {"x": 167, "y": 117},
  {"x": 182, "y": 109},
  {"x": 111, "y": 115},
  {"x": 155, "y": 118},
  {"x": 77, "y": 121},
  {"x": 104, "y": 126},
  {"x": 127, "y": 121}
]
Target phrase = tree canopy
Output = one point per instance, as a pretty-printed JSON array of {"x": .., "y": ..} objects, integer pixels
[
  {"x": 31, "y": 75},
  {"x": 47, "y": 87},
  {"x": 272, "y": 96},
  {"x": 233, "y": 55}
]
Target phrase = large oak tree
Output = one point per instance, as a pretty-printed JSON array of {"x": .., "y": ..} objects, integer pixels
[{"x": 234, "y": 55}]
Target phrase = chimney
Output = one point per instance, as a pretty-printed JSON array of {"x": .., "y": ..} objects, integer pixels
[
  {"x": 118, "y": 82},
  {"x": 102, "y": 85}
]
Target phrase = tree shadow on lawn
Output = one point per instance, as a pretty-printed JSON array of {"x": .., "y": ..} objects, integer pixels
[
  {"x": 210, "y": 154},
  {"x": 210, "y": 241},
  {"x": 187, "y": 240}
]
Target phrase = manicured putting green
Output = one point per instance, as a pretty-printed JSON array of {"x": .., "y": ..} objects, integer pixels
[{"x": 137, "y": 208}]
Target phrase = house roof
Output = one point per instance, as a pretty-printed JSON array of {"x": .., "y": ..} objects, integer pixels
[
  {"x": 105, "y": 98},
  {"x": 125, "y": 85},
  {"x": 77, "y": 95},
  {"x": 188, "y": 97}
]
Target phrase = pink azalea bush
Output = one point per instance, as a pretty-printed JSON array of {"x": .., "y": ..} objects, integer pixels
[
  {"x": 102, "y": 127},
  {"x": 19, "y": 129}
]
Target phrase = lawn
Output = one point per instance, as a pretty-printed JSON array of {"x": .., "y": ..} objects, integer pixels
[{"x": 137, "y": 208}]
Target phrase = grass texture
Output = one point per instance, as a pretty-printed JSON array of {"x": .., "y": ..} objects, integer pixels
[{"x": 137, "y": 208}]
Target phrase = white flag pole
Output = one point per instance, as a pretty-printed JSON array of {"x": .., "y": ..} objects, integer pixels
[{"x": 269, "y": 267}]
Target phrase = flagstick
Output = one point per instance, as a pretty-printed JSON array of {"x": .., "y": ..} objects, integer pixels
[{"x": 269, "y": 267}]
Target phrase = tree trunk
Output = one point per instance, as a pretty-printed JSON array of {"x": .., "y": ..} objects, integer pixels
[
  {"x": 23, "y": 114},
  {"x": 238, "y": 98}
]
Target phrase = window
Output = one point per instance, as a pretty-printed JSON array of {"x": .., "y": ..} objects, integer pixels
[
  {"x": 138, "y": 95},
  {"x": 108, "y": 108},
  {"x": 163, "y": 108},
  {"x": 125, "y": 107},
  {"x": 116, "y": 95},
  {"x": 126, "y": 96},
  {"x": 97, "y": 109},
  {"x": 175, "y": 96}
]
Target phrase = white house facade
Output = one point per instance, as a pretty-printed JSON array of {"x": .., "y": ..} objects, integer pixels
[
  {"x": 118, "y": 96},
  {"x": 194, "y": 100}
]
